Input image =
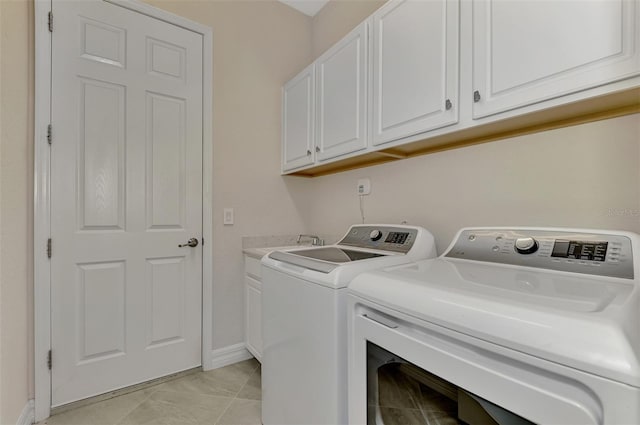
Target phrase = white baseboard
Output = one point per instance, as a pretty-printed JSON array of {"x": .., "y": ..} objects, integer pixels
[
  {"x": 28, "y": 415},
  {"x": 229, "y": 355}
]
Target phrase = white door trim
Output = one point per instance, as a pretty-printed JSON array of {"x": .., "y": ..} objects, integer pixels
[{"x": 42, "y": 195}]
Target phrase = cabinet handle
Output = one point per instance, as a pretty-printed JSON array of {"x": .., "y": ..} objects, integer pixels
[
  {"x": 317, "y": 148},
  {"x": 447, "y": 104},
  {"x": 308, "y": 152},
  {"x": 476, "y": 96}
]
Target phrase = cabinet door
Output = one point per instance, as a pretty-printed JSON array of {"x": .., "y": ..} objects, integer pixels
[
  {"x": 529, "y": 51},
  {"x": 341, "y": 73},
  {"x": 298, "y": 110},
  {"x": 415, "y": 67},
  {"x": 253, "y": 325}
]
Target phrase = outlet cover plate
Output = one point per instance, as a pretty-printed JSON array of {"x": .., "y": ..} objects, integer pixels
[{"x": 364, "y": 186}]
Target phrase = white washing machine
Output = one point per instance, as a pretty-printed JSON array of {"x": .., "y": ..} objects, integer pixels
[
  {"x": 531, "y": 324},
  {"x": 304, "y": 363}
]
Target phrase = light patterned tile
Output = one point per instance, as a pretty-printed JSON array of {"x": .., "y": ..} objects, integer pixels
[
  {"x": 393, "y": 416},
  {"x": 395, "y": 389},
  {"x": 252, "y": 390},
  {"x": 441, "y": 418},
  {"x": 199, "y": 384},
  {"x": 233, "y": 377},
  {"x": 242, "y": 412},
  {"x": 169, "y": 407},
  {"x": 430, "y": 400},
  {"x": 197, "y": 399},
  {"x": 107, "y": 412}
]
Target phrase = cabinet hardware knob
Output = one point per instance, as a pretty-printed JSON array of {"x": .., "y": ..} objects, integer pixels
[
  {"x": 447, "y": 104},
  {"x": 476, "y": 96},
  {"x": 317, "y": 148},
  {"x": 308, "y": 152}
]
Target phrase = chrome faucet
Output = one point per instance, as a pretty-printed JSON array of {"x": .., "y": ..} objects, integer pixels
[{"x": 315, "y": 240}]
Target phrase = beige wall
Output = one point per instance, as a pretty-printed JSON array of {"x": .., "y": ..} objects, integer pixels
[
  {"x": 337, "y": 18},
  {"x": 582, "y": 176},
  {"x": 16, "y": 170}
]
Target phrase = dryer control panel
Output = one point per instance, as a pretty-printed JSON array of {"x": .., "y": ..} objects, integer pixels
[{"x": 601, "y": 254}]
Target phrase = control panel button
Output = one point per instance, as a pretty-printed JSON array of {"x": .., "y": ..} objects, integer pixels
[
  {"x": 375, "y": 235},
  {"x": 526, "y": 245}
]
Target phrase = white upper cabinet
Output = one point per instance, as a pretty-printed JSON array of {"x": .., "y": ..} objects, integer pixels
[
  {"x": 341, "y": 74},
  {"x": 298, "y": 119},
  {"x": 529, "y": 51},
  {"x": 415, "y": 68}
]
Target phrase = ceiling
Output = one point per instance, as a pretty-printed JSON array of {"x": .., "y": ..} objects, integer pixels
[{"x": 308, "y": 7}]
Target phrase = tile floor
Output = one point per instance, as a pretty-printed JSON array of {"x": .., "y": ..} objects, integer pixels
[
  {"x": 404, "y": 400},
  {"x": 227, "y": 396}
]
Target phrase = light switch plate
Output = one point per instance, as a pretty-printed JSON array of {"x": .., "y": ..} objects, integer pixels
[{"x": 228, "y": 216}]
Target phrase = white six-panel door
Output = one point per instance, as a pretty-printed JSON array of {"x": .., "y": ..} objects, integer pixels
[{"x": 126, "y": 189}]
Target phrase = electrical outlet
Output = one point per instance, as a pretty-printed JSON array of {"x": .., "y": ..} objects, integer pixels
[
  {"x": 364, "y": 186},
  {"x": 228, "y": 216}
]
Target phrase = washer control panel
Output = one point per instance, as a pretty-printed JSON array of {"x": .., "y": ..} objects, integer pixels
[
  {"x": 579, "y": 252},
  {"x": 387, "y": 238}
]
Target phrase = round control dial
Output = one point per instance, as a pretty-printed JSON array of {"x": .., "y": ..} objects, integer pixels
[
  {"x": 375, "y": 235},
  {"x": 526, "y": 245}
]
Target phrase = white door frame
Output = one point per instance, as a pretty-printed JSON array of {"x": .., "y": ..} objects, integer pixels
[{"x": 42, "y": 190}]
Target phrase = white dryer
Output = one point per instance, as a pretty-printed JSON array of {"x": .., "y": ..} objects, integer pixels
[
  {"x": 533, "y": 325},
  {"x": 304, "y": 363}
]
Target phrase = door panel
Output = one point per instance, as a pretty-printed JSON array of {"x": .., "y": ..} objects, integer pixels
[
  {"x": 164, "y": 59},
  {"x": 100, "y": 310},
  {"x": 525, "y": 53},
  {"x": 341, "y": 93},
  {"x": 166, "y": 173},
  {"x": 166, "y": 301},
  {"x": 126, "y": 189},
  {"x": 298, "y": 119},
  {"x": 415, "y": 68},
  {"x": 101, "y": 155},
  {"x": 102, "y": 42}
]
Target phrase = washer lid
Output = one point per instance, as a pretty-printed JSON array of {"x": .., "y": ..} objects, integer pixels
[
  {"x": 335, "y": 254},
  {"x": 585, "y": 322},
  {"x": 330, "y": 257}
]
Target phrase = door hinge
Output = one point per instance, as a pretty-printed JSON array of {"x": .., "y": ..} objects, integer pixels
[
  {"x": 50, "y": 21},
  {"x": 49, "y": 248},
  {"x": 49, "y": 360},
  {"x": 49, "y": 133},
  {"x": 202, "y": 241}
]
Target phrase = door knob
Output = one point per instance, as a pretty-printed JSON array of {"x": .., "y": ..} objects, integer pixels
[{"x": 193, "y": 242}]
